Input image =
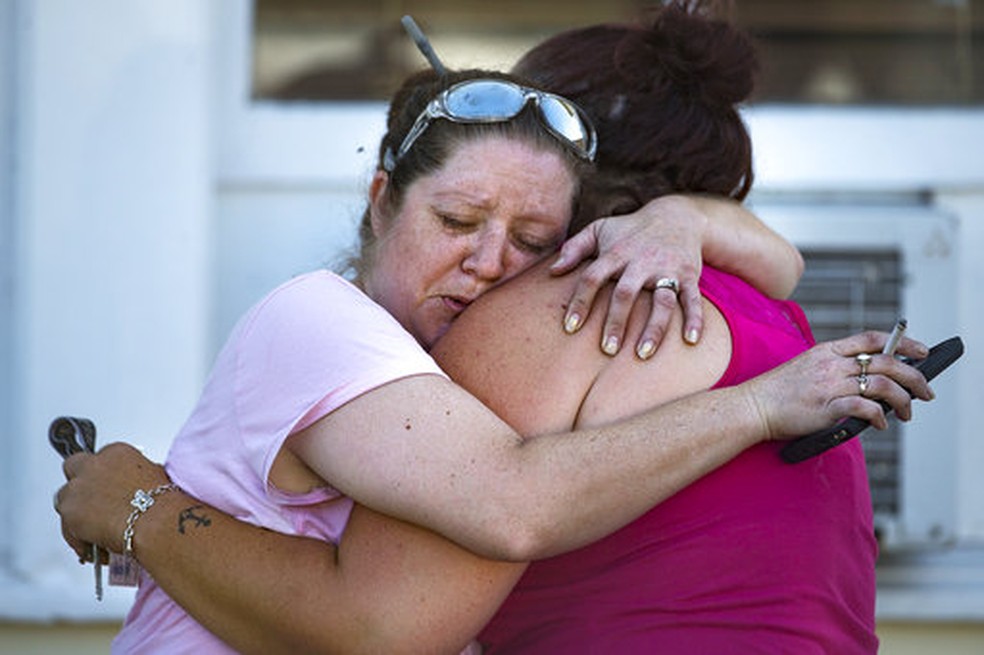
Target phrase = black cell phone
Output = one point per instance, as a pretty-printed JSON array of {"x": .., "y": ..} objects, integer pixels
[{"x": 940, "y": 357}]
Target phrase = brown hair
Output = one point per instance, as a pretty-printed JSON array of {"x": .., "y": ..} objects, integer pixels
[
  {"x": 664, "y": 98},
  {"x": 439, "y": 141}
]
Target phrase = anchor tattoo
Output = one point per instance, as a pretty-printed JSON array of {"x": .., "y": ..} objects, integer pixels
[{"x": 200, "y": 520}]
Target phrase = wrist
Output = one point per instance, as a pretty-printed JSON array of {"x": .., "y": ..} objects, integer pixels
[
  {"x": 705, "y": 214},
  {"x": 141, "y": 503},
  {"x": 689, "y": 213},
  {"x": 756, "y": 417},
  {"x": 694, "y": 212}
]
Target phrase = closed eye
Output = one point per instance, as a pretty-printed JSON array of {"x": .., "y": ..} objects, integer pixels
[
  {"x": 454, "y": 224},
  {"x": 535, "y": 246}
]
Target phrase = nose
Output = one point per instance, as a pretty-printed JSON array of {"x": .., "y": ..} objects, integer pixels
[{"x": 487, "y": 259}]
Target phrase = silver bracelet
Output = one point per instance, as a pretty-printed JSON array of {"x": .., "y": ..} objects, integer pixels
[{"x": 142, "y": 501}]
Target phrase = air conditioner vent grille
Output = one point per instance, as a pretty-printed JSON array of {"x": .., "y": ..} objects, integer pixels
[{"x": 847, "y": 291}]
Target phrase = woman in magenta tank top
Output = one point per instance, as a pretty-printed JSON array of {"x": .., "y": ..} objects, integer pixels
[{"x": 760, "y": 555}]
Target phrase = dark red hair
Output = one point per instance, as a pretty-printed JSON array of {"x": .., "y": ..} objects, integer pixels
[{"x": 664, "y": 98}]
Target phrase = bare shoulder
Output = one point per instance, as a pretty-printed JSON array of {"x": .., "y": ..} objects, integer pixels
[
  {"x": 510, "y": 351},
  {"x": 627, "y": 386}
]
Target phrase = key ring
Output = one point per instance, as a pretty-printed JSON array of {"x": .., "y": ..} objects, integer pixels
[{"x": 69, "y": 435}]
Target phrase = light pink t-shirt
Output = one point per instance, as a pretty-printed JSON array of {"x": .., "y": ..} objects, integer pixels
[{"x": 309, "y": 347}]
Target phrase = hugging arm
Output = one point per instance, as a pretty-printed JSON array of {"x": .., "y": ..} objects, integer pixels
[
  {"x": 668, "y": 238},
  {"x": 264, "y": 592},
  {"x": 737, "y": 241},
  {"x": 273, "y": 592},
  {"x": 388, "y": 587},
  {"x": 424, "y": 450}
]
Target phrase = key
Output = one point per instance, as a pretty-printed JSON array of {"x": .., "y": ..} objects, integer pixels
[{"x": 69, "y": 435}]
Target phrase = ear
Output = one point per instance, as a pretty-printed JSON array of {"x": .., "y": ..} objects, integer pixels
[{"x": 377, "y": 202}]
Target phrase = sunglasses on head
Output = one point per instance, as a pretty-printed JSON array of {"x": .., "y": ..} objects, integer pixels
[{"x": 500, "y": 101}]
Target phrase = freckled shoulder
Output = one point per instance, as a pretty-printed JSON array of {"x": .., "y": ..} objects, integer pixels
[{"x": 509, "y": 350}]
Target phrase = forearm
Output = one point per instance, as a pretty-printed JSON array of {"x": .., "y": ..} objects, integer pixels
[
  {"x": 609, "y": 487},
  {"x": 254, "y": 588},
  {"x": 736, "y": 241},
  {"x": 266, "y": 592},
  {"x": 505, "y": 498},
  {"x": 389, "y": 586},
  {"x": 424, "y": 450}
]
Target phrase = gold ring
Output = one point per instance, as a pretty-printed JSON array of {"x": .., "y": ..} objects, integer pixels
[{"x": 862, "y": 384}]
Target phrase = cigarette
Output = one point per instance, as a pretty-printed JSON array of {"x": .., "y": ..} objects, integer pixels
[{"x": 895, "y": 337}]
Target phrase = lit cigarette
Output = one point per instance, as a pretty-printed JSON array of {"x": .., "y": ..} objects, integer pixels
[{"x": 895, "y": 337}]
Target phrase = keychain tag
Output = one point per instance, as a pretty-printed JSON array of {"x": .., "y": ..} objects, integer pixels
[{"x": 123, "y": 571}]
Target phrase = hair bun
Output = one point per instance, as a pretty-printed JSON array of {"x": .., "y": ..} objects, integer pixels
[{"x": 706, "y": 61}]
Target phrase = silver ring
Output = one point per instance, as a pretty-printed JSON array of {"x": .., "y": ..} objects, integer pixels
[
  {"x": 670, "y": 283},
  {"x": 863, "y": 360},
  {"x": 862, "y": 384}
]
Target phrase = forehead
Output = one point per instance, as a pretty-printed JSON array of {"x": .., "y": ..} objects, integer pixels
[{"x": 498, "y": 171}]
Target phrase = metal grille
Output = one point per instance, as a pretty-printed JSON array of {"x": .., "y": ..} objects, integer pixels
[{"x": 847, "y": 291}]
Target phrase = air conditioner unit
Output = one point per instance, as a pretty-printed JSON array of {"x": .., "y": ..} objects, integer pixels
[{"x": 870, "y": 261}]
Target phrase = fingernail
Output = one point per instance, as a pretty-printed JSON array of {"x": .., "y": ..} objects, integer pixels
[
  {"x": 561, "y": 259},
  {"x": 572, "y": 323},
  {"x": 691, "y": 336},
  {"x": 610, "y": 345},
  {"x": 932, "y": 394},
  {"x": 646, "y": 350}
]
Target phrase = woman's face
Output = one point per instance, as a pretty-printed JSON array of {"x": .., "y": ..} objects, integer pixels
[{"x": 496, "y": 207}]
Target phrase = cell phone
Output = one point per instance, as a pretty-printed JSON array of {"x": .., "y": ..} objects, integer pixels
[{"x": 941, "y": 356}]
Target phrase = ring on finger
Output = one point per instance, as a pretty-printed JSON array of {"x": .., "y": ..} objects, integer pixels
[
  {"x": 862, "y": 384},
  {"x": 863, "y": 360},
  {"x": 670, "y": 283}
]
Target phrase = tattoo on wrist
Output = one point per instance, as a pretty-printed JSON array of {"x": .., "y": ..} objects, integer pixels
[{"x": 198, "y": 520}]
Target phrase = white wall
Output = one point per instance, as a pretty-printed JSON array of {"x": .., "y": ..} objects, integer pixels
[
  {"x": 111, "y": 219},
  {"x": 7, "y": 259},
  {"x": 969, "y": 204}
]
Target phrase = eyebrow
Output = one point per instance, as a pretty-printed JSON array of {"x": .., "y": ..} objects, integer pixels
[
  {"x": 538, "y": 217},
  {"x": 486, "y": 202}
]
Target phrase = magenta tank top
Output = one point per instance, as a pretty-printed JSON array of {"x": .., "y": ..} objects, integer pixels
[{"x": 759, "y": 556}]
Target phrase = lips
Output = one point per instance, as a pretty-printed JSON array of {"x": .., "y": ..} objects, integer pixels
[{"x": 456, "y": 304}]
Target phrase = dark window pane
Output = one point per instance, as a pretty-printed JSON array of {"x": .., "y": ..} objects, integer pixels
[
  {"x": 899, "y": 52},
  {"x": 869, "y": 52}
]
